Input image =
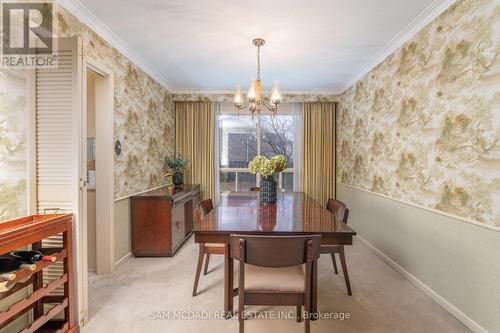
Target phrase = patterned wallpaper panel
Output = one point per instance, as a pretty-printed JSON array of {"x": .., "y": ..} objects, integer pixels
[
  {"x": 285, "y": 97},
  {"x": 424, "y": 125},
  {"x": 13, "y": 137},
  {"x": 143, "y": 116}
]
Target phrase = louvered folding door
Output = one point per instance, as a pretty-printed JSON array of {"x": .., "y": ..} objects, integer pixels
[{"x": 59, "y": 167}]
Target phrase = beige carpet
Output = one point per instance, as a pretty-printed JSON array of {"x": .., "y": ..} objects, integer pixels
[{"x": 144, "y": 295}]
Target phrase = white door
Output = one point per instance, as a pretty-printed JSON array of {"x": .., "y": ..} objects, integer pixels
[{"x": 61, "y": 154}]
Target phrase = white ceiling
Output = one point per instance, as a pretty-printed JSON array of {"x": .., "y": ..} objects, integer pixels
[{"x": 311, "y": 45}]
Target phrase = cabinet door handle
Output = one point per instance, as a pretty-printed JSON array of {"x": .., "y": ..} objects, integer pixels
[{"x": 177, "y": 224}]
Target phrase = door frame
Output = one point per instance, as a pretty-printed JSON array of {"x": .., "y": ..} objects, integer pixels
[
  {"x": 104, "y": 125},
  {"x": 104, "y": 157}
]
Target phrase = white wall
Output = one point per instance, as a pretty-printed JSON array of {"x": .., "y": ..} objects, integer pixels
[
  {"x": 459, "y": 261},
  {"x": 123, "y": 229}
]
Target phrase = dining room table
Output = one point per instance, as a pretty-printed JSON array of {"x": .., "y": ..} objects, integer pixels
[{"x": 295, "y": 213}]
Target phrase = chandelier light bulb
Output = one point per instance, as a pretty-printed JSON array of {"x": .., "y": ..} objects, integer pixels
[
  {"x": 238, "y": 98},
  {"x": 275, "y": 93},
  {"x": 252, "y": 92}
]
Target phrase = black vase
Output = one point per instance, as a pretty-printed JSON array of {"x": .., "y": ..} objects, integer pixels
[
  {"x": 177, "y": 179},
  {"x": 268, "y": 190}
]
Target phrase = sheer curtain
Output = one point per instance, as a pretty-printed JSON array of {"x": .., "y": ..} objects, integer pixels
[
  {"x": 318, "y": 151},
  {"x": 297, "y": 146},
  {"x": 195, "y": 140},
  {"x": 216, "y": 147}
]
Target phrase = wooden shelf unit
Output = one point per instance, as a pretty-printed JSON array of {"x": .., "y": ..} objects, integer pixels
[{"x": 31, "y": 231}]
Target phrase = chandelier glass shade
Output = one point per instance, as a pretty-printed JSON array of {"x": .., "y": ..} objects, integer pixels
[{"x": 254, "y": 94}]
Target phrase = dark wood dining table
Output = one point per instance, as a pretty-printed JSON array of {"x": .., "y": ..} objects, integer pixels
[{"x": 295, "y": 213}]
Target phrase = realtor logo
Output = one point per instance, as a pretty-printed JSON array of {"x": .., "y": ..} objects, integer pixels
[{"x": 27, "y": 34}]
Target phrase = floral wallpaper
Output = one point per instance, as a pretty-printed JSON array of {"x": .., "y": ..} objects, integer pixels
[
  {"x": 424, "y": 125},
  {"x": 144, "y": 122}
]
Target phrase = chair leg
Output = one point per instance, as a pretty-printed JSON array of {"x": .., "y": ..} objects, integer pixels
[
  {"x": 201, "y": 254},
  {"x": 241, "y": 321},
  {"x": 207, "y": 259},
  {"x": 344, "y": 270},
  {"x": 241, "y": 295},
  {"x": 299, "y": 313},
  {"x": 241, "y": 324},
  {"x": 307, "y": 320},
  {"x": 334, "y": 263},
  {"x": 307, "y": 311}
]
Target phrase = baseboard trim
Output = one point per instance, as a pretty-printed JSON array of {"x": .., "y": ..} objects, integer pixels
[
  {"x": 123, "y": 260},
  {"x": 453, "y": 310}
]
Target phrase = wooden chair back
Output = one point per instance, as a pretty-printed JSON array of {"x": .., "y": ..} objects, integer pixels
[
  {"x": 275, "y": 251},
  {"x": 338, "y": 209},
  {"x": 202, "y": 209}
]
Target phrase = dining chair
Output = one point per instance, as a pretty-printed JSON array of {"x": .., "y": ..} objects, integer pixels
[
  {"x": 275, "y": 270},
  {"x": 254, "y": 189},
  {"x": 341, "y": 213},
  {"x": 205, "y": 249}
]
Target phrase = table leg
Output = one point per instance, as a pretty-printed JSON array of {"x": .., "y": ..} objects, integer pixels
[
  {"x": 314, "y": 290},
  {"x": 228, "y": 283}
]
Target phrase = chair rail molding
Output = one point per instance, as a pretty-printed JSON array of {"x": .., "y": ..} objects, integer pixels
[
  {"x": 137, "y": 193},
  {"x": 455, "y": 217}
]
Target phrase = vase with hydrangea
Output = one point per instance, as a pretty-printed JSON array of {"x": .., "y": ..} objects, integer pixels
[{"x": 266, "y": 167}]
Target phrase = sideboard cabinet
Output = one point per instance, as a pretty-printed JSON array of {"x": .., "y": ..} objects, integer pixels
[{"x": 162, "y": 220}]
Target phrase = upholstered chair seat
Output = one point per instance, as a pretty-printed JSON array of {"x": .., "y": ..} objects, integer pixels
[{"x": 258, "y": 278}]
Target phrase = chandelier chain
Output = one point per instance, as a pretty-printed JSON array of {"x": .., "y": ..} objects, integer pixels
[{"x": 258, "y": 62}]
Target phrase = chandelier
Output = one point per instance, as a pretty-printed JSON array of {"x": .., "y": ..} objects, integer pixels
[{"x": 254, "y": 95}]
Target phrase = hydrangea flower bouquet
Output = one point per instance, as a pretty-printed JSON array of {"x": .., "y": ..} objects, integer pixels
[{"x": 266, "y": 168}]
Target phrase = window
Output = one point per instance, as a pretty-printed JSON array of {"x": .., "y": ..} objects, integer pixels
[
  {"x": 242, "y": 138},
  {"x": 238, "y": 146}
]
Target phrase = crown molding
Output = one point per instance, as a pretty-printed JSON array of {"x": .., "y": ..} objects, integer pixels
[
  {"x": 231, "y": 92},
  {"x": 183, "y": 91},
  {"x": 424, "y": 18},
  {"x": 93, "y": 22}
]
